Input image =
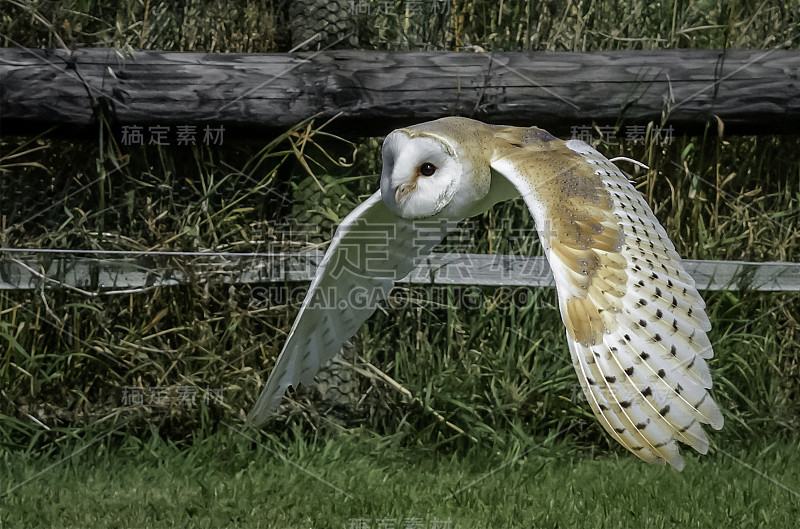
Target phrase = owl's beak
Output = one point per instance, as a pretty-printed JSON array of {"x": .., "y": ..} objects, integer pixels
[{"x": 404, "y": 191}]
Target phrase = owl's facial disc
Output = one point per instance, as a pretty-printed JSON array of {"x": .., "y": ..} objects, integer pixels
[{"x": 420, "y": 175}]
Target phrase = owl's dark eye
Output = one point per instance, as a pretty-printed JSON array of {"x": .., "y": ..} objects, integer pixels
[{"x": 427, "y": 169}]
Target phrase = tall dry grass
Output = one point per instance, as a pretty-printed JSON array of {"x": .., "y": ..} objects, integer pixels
[{"x": 498, "y": 372}]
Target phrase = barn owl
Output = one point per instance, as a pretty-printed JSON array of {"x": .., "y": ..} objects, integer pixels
[{"x": 635, "y": 323}]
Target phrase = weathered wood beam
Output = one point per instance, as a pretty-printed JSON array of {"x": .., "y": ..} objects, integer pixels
[
  {"x": 752, "y": 91},
  {"x": 93, "y": 276}
]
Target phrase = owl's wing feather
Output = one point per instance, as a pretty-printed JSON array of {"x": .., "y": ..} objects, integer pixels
[
  {"x": 371, "y": 249},
  {"x": 636, "y": 325}
]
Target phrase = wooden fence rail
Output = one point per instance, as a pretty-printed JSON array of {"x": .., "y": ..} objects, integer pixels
[
  {"x": 751, "y": 91},
  {"x": 93, "y": 276}
]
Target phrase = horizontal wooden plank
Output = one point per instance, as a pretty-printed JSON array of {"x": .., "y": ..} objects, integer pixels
[
  {"x": 375, "y": 91},
  {"x": 108, "y": 276}
]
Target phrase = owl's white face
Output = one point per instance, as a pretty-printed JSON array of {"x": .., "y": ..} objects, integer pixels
[{"x": 420, "y": 175}]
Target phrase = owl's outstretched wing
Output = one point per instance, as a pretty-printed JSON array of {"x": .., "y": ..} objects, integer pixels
[
  {"x": 636, "y": 325},
  {"x": 371, "y": 249}
]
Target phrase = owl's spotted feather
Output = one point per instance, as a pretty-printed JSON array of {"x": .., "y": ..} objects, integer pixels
[{"x": 635, "y": 323}]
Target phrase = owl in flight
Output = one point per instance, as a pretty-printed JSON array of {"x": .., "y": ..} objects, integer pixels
[{"x": 636, "y": 325}]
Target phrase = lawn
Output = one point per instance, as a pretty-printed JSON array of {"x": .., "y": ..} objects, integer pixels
[{"x": 363, "y": 481}]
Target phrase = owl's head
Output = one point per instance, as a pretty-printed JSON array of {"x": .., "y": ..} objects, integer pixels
[{"x": 421, "y": 174}]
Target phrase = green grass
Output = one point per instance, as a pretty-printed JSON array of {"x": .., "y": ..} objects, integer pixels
[{"x": 229, "y": 481}]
